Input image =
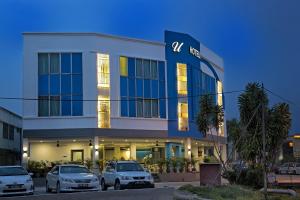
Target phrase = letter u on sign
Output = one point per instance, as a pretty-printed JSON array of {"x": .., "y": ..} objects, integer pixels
[{"x": 177, "y": 46}]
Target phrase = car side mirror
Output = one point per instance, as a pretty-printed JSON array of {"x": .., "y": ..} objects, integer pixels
[{"x": 30, "y": 174}]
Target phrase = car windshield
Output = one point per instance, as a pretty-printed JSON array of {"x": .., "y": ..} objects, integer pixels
[
  {"x": 123, "y": 167},
  {"x": 12, "y": 171},
  {"x": 73, "y": 169}
]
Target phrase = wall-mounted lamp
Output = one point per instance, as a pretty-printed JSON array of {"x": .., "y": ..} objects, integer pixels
[
  {"x": 156, "y": 143},
  {"x": 90, "y": 144},
  {"x": 57, "y": 143},
  {"x": 189, "y": 151}
]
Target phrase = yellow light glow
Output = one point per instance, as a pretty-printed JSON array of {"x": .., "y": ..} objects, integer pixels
[
  {"x": 291, "y": 144},
  {"x": 182, "y": 116},
  {"x": 220, "y": 95},
  {"x": 297, "y": 136},
  {"x": 25, "y": 148},
  {"x": 123, "y": 66},
  {"x": 103, "y": 71},
  {"x": 103, "y": 112},
  {"x": 181, "y": 79}
]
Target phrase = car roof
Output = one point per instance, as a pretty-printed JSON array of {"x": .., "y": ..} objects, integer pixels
[
  {"x": 10, "y": 166},
  {"x": 70, "y": 165}
]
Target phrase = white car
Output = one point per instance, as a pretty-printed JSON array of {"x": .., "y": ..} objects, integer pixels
[
  {"x": 126, "y": 174},
  {"x": 15, "y": 180},
  {"x": 69, "y": 178}
]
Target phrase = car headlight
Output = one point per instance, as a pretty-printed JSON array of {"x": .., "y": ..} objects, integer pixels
[
  {"x": 95, "y": 179},
  {"x": 67, "y": 180},
  {"x": 29, "y": 180},
  {"x": 126, "y": 177}
]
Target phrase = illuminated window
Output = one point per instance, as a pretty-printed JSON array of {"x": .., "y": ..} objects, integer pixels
[
  {"x": 220, "y": 90},
  {"x": 123, "y": 66},
  {"x": 103, "y": 112},
  {"x": 103, "y": 106},
  {"x": 181, "y": 79},
  {"x": 220, "y": 103},
  {"x": 183, "y": 117},
  {"x": 103, "y": 70}
]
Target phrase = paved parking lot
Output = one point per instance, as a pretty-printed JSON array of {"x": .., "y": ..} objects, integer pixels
[
  {"x": 163, "y": 191},
  {"x": 145, "y": 194}
]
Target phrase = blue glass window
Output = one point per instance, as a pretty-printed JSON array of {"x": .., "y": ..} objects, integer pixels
[
  {"x": 162, "y": 108},
  {"x": 65, "y": 84},
  {"x": 54, "y": 84},
  {"x": 131, "y": 67},
  {"x": 124, "y": 107},
  {"x": 154, "y": 88},
  {"x": 77, "y": 105},
  {"x": 139, "y": 87},
  {"x": 65, "y": 63},
  {"x": 77, "y": 84},
  {"x": 123, "y": 86},
  {"x": 132, "y": 112},
  {"x": 43, "y": 84},
  {"x": 66, "y": 105},
  {"x": 131, "y": 87},
  {"x": 161, "y": 66},
  {"x": 162, "y": 89},
  {"x": 147, "y": 90},
  {"x": 76, "y": 63}
]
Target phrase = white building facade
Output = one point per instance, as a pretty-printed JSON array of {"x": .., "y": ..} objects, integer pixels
[{"x": 99, "y": 97}]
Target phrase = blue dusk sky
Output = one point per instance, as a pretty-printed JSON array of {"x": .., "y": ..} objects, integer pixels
[{"x": 258, "y": 39}]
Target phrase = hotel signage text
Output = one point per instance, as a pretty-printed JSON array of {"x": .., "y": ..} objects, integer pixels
[{"x": 177, "y": 48}]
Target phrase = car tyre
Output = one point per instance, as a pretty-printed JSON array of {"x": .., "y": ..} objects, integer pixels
[
  {"x": 117, "y": 185},
  {"x": 58, "y": 187},
  {"x": 103, "y": 186},
  {"x": 48, "y": 190}
]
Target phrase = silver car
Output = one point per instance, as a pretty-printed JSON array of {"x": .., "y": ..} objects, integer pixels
[
  {"x": 69, "y": 178},
  {"x": 15, "y": 180}
]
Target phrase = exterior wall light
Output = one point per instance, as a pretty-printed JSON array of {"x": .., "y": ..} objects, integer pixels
[
  {"x": 57, "y": 143},
  {"x": 90, "y": 144}
]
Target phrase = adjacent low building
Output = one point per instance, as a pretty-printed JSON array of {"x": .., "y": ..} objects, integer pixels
[
  {"x": 91, "y": 96},
  {"x": 10, "y": 137}
]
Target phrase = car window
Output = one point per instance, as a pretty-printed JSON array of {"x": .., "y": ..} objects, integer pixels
[
  {"x": 285, "y": 165},
  {"x": 122, "y": 167},
  {"x": 13, "y": 171},
  {"x": 54, "y": 169},
  {"x": 73, "y": 169}
]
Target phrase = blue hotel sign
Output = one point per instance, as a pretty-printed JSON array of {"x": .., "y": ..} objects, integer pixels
[{"x": 177, "y": 48}]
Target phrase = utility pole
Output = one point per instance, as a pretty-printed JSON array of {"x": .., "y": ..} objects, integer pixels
[{"x": 264, "y": 142}]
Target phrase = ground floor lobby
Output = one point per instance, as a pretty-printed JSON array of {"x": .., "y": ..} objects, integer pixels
[{"x": 98, "y": 150}]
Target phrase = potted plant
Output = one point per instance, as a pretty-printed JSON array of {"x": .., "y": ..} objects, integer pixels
[
  {"x": 181, "y": 164},
  {"x": 161, "y": 163},
  {"x": 174, "y": 164},
  {"x": 168, "y": 162}
]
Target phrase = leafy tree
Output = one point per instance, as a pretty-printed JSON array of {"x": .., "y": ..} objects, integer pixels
[
  {"x": 277, "y": 123},
  {"x": 210, "y": 117}
]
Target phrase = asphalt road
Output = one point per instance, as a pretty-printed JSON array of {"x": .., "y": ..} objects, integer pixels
[{"x": 136, "y": 194}]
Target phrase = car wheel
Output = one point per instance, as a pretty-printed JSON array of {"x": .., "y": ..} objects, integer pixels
[
  {"x": 47, "y": 187},
  {"x": 117, "y": 185},
  {"x": 103, "y": 186},
  {"x": 58, "y": 187}
]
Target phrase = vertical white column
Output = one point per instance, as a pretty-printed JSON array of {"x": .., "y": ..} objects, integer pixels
[
  {"x": 188, "y": 148},
  {"x": 133, "y": 151},
  {"x": 25, "y": 152},
  {"x": 117, "y": 152},
  {"x": 95, "y": 154}
]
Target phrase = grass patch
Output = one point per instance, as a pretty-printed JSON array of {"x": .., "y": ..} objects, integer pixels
[{"x": 231, "y": 192}]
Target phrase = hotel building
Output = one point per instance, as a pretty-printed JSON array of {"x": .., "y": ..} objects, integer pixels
[{"x": 91, "y": 96}]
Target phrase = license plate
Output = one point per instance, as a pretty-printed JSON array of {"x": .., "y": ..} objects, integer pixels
[
  {"x": 14, "y": 186},
  {"x": 139, "y": 182},
  {"x": 83, "y": 185}
]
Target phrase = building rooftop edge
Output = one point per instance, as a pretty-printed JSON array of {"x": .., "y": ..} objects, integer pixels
[
  {"x": 10, "y": 112},
  {"x": 96, "y": 34}
]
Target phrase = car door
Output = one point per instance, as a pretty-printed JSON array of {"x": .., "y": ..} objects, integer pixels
[{"x": 53, "y": 177}]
